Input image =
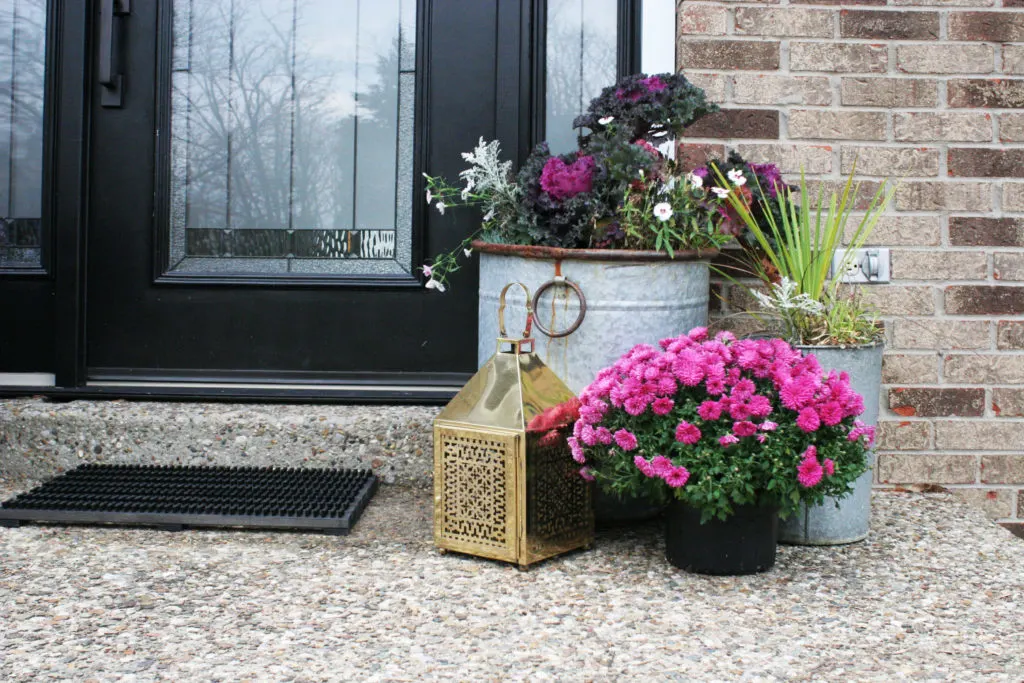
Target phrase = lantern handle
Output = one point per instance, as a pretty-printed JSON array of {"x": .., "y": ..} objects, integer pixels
[{"x": 501, "y": 311}]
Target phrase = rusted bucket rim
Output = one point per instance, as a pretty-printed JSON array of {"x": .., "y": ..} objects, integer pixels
[
  {"x": 835, "y": 347},
  {"x": 560, "y": 254}
]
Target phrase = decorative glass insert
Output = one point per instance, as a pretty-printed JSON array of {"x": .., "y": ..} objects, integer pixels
[
  {"x": 22, "y": 66},
  {"x": 292, "y": 136},
  {"x": 582, "y": 58}
]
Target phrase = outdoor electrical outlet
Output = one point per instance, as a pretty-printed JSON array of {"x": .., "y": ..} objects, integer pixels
[{"x": 867, "y": 266}]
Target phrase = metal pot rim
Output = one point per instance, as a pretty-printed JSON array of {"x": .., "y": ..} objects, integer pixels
[
  {"x": 532, "y": 251},
  {"x": 851, "y": 347}
]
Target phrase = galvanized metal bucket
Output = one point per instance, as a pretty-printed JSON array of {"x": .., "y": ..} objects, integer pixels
[
  {"x": 593, "y": 305},
  {"x": 849, "y": 522}
]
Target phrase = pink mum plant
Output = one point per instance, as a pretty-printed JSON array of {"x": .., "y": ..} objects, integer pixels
[{"x": 722, "y": 422}]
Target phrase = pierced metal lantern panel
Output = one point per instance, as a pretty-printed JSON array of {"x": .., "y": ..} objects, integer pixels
[
  {"x": 505, "y": 484},
  {"x": 474, "y": 484}
]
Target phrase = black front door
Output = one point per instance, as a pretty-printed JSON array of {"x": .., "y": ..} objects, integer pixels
[{"x": 255, "y": 213}]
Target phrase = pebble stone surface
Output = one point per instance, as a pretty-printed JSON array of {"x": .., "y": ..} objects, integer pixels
[
  {"x": 935, "y": 594},
  {"x": 39, "y": 439}
]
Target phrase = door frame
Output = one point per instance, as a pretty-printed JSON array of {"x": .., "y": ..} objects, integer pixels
[{"x": 71, "y": 88}]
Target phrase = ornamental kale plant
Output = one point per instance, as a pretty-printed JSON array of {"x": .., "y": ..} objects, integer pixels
[
  {"x": 719, "y": 423},
  {"x": 577, "y": 200},
  {"x": 646, "y": 107}
]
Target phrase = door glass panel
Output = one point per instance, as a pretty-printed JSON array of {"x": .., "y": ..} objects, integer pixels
[
  {"x": 22, "y": 63},
  {"x": 582, "y": 59},
  {"x": 292, "y": 136}
]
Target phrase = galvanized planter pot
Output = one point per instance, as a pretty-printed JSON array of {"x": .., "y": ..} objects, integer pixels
[
  {"x": 827, "y": 524},
  {"x": 631, "y": 297}
]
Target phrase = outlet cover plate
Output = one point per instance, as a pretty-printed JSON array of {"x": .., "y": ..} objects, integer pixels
[{"x": 869, "y": 265}]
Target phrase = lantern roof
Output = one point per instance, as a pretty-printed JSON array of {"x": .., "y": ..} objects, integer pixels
[{"x": 509, "y": 391}]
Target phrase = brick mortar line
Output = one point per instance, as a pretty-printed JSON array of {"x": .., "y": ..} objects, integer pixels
[
  {"x": 974, "y": 485},
  {"x": 827, "y": 40},
  {"x": 903, "y": 76},
  {"x": 856, "y": 7},
  {"x": 1006, "y": 352},
  {"x": 920, "y": 145},
  {"x": 935, "y": 451}
]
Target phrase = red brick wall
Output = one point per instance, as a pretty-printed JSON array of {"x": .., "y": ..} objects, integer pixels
[{"x": 931, "y": 91}]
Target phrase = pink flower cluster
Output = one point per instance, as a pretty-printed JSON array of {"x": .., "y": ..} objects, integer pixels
[
  {"x": 662, "y": 468},
  {"x": 563, "y": 181},
  {"x": 728, "y": 373},
  {"x": 811, "y": 472}
]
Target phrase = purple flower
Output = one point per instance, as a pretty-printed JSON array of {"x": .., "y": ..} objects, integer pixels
[
  {"x": 562, "y": 181},
  {"x": 576, "y": 449},
  {"x": 769, "y": 176},
  {"x": 710, "y": 410},
  {"x": 645, "y": 467},
  {"x": 663, "y": 406},
  {"x": 626, "y": 440},
  {"x": 687, "y": 433},
  {"x": 744, "y": 428},
  {"x": 677, "y": 478},
  {"x": 808, "y": 419},
  {"x": 631, "y": 95},
  {"x": 661, "y": 465},
  {"x": 654, "y": 83}
]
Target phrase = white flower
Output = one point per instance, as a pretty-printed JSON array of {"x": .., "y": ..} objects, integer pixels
[
  {"x": 489, "y": 215},
  {"x": 430, "y": 196},
  {"x": 695, "y": 180},
  {"x": 434, "y": 284},
  {"x": 441, "y": 207},
  {"x": 427, "y": 270},
  {"x": 467, "y": 252},
  {"x": 663, "y": 211},
  {"x": 737, "y": 177},
  {"x": 605, "y": 120},
  {"x": 720, "y": 192}
]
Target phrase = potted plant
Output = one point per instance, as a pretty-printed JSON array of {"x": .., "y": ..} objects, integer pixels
[
  {"x": 613, "y": 238},
  {"x": 791, "y": 252},
  {"x": 732, "y": 433}
]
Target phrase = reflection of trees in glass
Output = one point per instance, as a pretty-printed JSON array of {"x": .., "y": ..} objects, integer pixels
[
  {"x": 581, "y": 60},
  {"x": 22, "y": 63},
  {"x": 275, "y": 134}
]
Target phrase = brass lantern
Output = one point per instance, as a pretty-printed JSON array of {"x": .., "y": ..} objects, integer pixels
[{"x": 505, "y": 484}]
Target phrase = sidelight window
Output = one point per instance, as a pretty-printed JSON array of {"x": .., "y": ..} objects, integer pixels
[{"x": 22, "y": 66}]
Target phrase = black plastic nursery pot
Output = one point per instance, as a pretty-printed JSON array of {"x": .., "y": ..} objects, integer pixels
[
  {"x": 742, "y": 544},
  {"x": 611, "y": 510}
]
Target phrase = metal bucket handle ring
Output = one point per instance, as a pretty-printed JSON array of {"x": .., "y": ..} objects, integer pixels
[
  {"x": 501, "y": 311},
  {"x": 564, "y": 282}
]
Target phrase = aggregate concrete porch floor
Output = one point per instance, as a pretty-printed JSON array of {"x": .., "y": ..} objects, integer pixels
[{"x": 936, "y": 593}]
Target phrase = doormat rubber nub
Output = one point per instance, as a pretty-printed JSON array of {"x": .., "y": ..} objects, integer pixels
[{"x": 175, "y": 498}]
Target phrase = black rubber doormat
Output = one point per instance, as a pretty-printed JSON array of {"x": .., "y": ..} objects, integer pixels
[{"x": 175, "y": 498}]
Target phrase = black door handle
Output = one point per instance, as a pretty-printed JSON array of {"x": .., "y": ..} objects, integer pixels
[{"x": 111, "y": 82}]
